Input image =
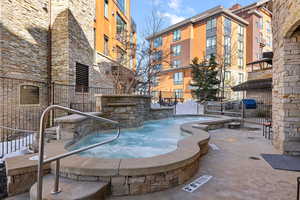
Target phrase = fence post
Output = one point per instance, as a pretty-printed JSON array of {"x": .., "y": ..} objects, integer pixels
[
  {"x": 52, "y": 103},
  {"x": 243, "y": 109}
]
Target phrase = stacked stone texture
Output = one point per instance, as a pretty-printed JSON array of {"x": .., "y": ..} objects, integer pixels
[{"x": 286, "y": 76}]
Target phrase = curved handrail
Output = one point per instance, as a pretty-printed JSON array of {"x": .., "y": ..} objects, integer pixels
[{"x": 57, "y": 158}]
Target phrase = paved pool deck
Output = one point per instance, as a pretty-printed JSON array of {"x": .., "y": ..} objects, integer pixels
[{"x": 235, "y": 175}]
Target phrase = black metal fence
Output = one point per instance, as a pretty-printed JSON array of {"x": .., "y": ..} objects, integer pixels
[
  {"x": 260, "y": 112},
  {"x": 23, "y": 101}
]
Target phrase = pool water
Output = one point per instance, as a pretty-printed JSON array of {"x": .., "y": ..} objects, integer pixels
[{"x": 154, "y": 138}]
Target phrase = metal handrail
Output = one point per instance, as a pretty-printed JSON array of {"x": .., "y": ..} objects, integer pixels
[{"x": 64, "y": 155}]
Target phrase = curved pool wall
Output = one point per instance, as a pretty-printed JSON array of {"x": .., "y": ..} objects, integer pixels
[
  {"x": 144, "y": 175},
  {"x": 154, "y": 138}
]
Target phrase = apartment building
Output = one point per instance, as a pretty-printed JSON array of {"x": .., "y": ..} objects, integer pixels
[
  {"x": 115, "y": 31},
  {"x": 259, "y": 30},
  {"x": 216, "y": 32}
]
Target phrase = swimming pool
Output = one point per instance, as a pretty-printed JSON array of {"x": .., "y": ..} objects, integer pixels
[{"x": 154, "y": 138}]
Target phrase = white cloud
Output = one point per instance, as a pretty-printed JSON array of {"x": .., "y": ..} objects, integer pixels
[
  {"x": 172, "y": 17},
  {"x": 190, "y": 11},
  {"x": 155, "y": 2},
  {"x": 174, "y": 4}
]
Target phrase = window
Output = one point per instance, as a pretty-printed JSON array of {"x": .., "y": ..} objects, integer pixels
[
  {"x": 240, "y": 33},
  {"x": 121, "y": 56},
  {"x": 106, "y": 46},
  {"x": 176, "y": 63},
  {"x": 82, "y": 78},
  {"x": 241, "y": 30},
  {"x": 178, "y": 78},
  {"x": 155, "y": 81},
  {"x": 241, "y": 54},
  {"x": 261, "y": 23},
  {"x": 178, "y": 93},
  {"x": 269, "y": 41},
  {"x": 176, "y": 50},
  {"x": 157, "y": 42},
  {"x": 227, "y": 26},
  {"x": 227, "y": 59},
  {"x": 29, "y": 95},
  {"x": 177, "y": 35},
  {"x": 241, "y": 78},
  {"x": 268, "y": 26},
  {"x": 227, "y": 50},
  {"x": 106, "y": 8},
  {"x": 211, "y": 42},
  {"x": 157, "y": 55},
  {"x": 121, "y": 5},
  {"x": 211, "y": 24},
  {"x": 227, "y": 75},
  {"x": 121, "y": 28},
  {"x": 158, "y": 67},
  {"x": 227, "y": 43}
]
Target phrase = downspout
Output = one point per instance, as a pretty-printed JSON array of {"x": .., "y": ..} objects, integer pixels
[
  {"x": 50, "y": 84},
  {"x": 49, "y": 62}
]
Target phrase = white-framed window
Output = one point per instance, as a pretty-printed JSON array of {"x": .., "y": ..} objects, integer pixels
[
  {"x": 227, "y": 75},
  {"x": 106, "y": 45},
  {"x": 178, "y": 78},
  {"x": 178, "y": 93},
  {"x": 176, "y": 35},
  {"x": 176, "y": 64},
  {"x": 268, "y": 27},
  {"x": 211, "y": 24},
  {"x": 176, "y": 50},
  {"x": 211, "y": 42},
  {"x": 240, "y": 78},
  {"x": 157, "y": 42},
  {"x": 106, "y": 7}
]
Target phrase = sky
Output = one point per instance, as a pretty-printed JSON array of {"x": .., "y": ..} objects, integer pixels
[{"x": 173, "y": 11}]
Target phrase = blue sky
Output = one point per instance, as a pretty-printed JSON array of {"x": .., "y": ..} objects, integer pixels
[{"x": 175, "y": 10}]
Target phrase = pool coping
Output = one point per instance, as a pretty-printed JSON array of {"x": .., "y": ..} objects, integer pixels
[{"x": 184, "y": 149}]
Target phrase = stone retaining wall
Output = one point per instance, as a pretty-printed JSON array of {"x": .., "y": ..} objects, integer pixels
[{"x": 286, "y": 76}]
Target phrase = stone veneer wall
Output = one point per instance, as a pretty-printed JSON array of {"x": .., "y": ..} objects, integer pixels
[
  {"x": 23, "y": 55},
  {"x": 129, "y": 110},
  {"x": 286, "y": 76}
]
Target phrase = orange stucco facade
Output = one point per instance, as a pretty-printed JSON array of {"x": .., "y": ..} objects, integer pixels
[
  {"x": 107, "y": 40},
  {"x": 193, "y": 42}
]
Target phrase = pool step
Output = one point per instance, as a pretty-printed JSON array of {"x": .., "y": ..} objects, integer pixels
[
  {"x": 71, "y": 190},
  {"x": 51, "y": 133}
]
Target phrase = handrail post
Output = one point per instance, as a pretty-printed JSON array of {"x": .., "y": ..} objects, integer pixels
[
  {"x": 41, "y": 155},
  {"x": 56, "y": 181},
  {"x": 57, "y": 159}
]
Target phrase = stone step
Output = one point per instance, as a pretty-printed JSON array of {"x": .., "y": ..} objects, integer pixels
[
  {"x": 51, "y": 133},
  {"x": 71, "y": 190}
]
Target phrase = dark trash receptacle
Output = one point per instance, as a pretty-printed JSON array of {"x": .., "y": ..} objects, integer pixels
[{"x": 249, "y": 103}]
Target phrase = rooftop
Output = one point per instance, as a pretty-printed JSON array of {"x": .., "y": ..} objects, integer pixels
[{"x": 218, "y": 10}]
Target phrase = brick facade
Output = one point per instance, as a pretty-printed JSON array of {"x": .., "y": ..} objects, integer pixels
[{"x": 286, "y": 76}]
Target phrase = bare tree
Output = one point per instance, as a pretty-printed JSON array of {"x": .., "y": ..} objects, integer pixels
[{"x": 148, "y": 60}]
